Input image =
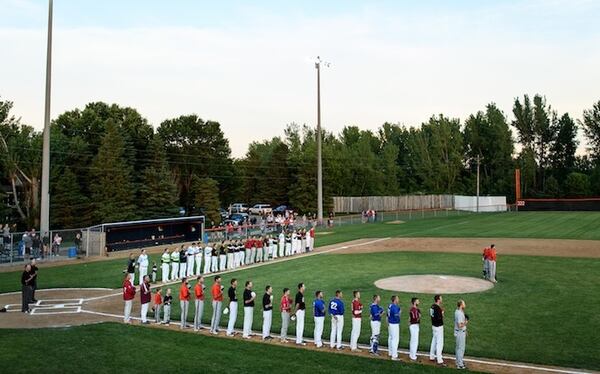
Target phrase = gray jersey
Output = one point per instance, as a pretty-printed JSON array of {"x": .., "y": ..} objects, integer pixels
[{"x": 459, "y": 317}]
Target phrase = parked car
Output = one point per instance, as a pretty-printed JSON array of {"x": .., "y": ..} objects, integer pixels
[
  {"x": 238, "y": 208},
  {"x": 233, "y": 222},
  {"x": 261, "y": 209},
  {"x": 238, "y": 217},
  {"x": 280, "y": 209},
  {"x": 224, "y": 214}
]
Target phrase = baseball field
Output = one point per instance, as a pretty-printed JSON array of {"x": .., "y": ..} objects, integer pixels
[{"x": 542, "y": 311}]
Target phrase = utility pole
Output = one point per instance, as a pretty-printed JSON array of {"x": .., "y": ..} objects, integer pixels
[
  {"x": 319, "y": 140},
  {"x": 45, "y": 204},
  {"x": 478, "y": 164}
]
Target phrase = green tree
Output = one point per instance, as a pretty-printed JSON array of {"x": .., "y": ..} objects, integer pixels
[
  {"x": 198, "y": 148},
  {"x": 591, "y": 129},
  {"x": 158, "y": 190},
  {"x": 206, "y": 197},
  {"x": 577, "y": 185},
  {"x": 112, "y": 187},
  {"x": 69, "y": 208},
  {"x": 562, "y": 150}
]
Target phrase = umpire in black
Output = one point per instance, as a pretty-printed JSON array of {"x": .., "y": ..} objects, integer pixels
[{"x": 26, "y": 281}]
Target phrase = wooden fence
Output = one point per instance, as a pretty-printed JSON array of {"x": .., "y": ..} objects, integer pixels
[{"x": 354, "y": 204}]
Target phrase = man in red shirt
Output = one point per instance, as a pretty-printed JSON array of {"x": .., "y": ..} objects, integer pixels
[
  {"x": 286, "y": 308},
  {"x": 184, "y": 301},
  {"x": 145, "y": 298},
  {"x": 311, "y": 241},
  {"x": 356, "y": 321},
  {"x": 199, "y": 292},
  {"x": 217, "y": 301},
  {"x": 414, "y": 323},
  {"x": 128, "y": 296}
]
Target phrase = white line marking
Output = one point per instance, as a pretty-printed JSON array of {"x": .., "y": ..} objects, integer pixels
[
  {"x": 47, "y": 311},
  {"x": 61, "y": 289}
]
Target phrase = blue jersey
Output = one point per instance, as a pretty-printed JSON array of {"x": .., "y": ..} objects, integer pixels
[
  {"x": 336, "y": 307},
  {"x": 319, "y": 307},
  {"x": 393, "y": 314},
  {"x": 376, "y": 312}
]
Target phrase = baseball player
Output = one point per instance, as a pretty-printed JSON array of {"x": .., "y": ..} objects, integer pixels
[
  {"x": 167, "y": 307},
  {"x": 145, "y": 298},
  {"x": 259, "y": 249},
  {"x": 303, "y": 241},
  {"x": 207, "y": 258},
  {"x": 230, "y": 255},
  {"x": 128, "y": 296},
  {"x": 281, "y": 242},
  {"x": 486, "y": 262},
  {"x": 437, "y": 329},
  {"x": 414, "y": 324},
  {"x": 233, "y": 304},
  {"x": 239, "y": 252},
  {"x": 319, "y": 315},
  {"x": 142, "y": 262},
  {"x": 288, "y": 244},
  {"x": 460, "y": 332},
  {"x": 285, "y": 307},
  {"x": 222, "y": 256},
  {"x": 214, "y": 258},
  {"x": 157, "y": 305},
  {"x": 253, "y": 250},
  {"x": 182, "y": 262},
  {"x": 267, "y": 303},
  {"x": 217, "y": 296},
  {"x": 154, "y": 271},
  {"x": 198, "y": 259},
  {"x": 393, "y": 315},
  {"x": 174, "y": 264},
  {"x": 184, "y": 301},
  {"x": 247, "y": 251},
  {"x": 249, "y": 297},
  {"x": 199, "y": 311},
  {"x": 131, "y": 268},
  {"x": 300, "y": 313},
  {"x": 274, "y": 245},
  {"x": 336, "y": 310},
  {"x": 492, "y": 257},
  {"x": 356, "y": 321},
  {"x": 376, "y": 311},
  {"x": 266, "y": 248},
  {"x": 190, "y": 257},
  {"x": 311, "y": 235}
]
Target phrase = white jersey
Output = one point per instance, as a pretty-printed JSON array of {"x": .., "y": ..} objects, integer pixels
[
  {"x": 190, "y": 251},
  {"x": 197, "y": 252},
  {"x": 143, "y": 260},
  {"x": 207, "y": 251}
]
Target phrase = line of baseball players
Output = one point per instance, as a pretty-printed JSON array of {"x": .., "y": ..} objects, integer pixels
[
  {"x": 295, "y": 310},
  {"x": 199, "y": 259}
]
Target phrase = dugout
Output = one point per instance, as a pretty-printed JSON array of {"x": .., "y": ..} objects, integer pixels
[
  {"x": 120, "y": 236},
  {"x": 583, "y": 204}
]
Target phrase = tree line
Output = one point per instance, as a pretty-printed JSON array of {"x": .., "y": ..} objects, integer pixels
[{"x": 109, "y": 164}]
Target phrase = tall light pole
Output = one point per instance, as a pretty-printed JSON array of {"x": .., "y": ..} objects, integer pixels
[
  {"x": 478, "y": 164},
  {"x": 318, "y": 64},
  {"x": 45, "y": 204}
]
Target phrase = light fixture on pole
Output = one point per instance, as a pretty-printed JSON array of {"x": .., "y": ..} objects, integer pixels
[
  {"x": 318, "y": 64},
  {"x": 45, "y": 203}
]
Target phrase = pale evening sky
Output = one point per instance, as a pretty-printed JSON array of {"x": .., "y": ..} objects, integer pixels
[{"x": 247, "y": 64}]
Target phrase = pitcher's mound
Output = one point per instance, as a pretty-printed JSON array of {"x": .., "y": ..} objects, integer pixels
[{"x": 434, "y": 284}]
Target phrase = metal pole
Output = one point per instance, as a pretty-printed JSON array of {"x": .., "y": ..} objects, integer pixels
[
  {"x": 87, "y": 244},
  {"x": 319, "y": 161},
  {"x": 12, "y": 241},
  {"x": 478, "y": 163},
  {"x": 45, "y": 203}
]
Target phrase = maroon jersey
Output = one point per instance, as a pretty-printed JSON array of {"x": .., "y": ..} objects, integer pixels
[
  {"x": 415, "y": 315},
  {"x": 145, "y": 293},
  {"x": 356, "y": 309}
]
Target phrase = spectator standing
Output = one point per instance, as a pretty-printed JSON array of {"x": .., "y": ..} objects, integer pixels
[
  {"x": 36, "y": 245},
  {"x": 26, "y": 279},
  {"x": 46, "y": 244},
  {"x": 28, "y": 244},
  {"x": 56, "y": 245},
  {"x": 78, "y": 243}
]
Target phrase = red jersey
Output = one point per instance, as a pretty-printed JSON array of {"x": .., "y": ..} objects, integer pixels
[
  {"x": 157, "y": 298},
  {"x": 217, "y": 294},
  {"x": 184, "y": 293},
  {"x": 356, "y": 309},
  {"x": 312, "y": 232},
  {"x": 128, "y": 290},
  {"x": 486, "y": 253},
  {"x": 199, "y": 291},
  {"x": 492, "y": 254},
  {"x": 286, "y": 304},
  {"x": 258, "y": 243},
  {"x": 414, "y": 315},
  {"x": 248, "y": 244}
]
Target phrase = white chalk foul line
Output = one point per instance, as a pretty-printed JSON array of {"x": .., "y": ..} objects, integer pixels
[{"x": 60, "y": 289}]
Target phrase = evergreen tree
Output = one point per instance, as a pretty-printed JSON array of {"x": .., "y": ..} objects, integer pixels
[
  {"x": 69, "y": 208},
  {"x": 591, "y": 129},
  {"x": 206, "y": 197},
  {"x": 562, "y": 151},
  {"x": 158, "y": 190},
  {"x": 112, "y": 188}
]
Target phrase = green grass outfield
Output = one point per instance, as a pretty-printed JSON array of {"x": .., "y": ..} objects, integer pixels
[
  {"x": 542, "y": 311},
  {"x": 116, "y": 348}
]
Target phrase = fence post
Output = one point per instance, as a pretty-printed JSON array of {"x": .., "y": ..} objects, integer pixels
[
  {"x": 12, "y": 248},
  {"x": 87, "y": 244}
]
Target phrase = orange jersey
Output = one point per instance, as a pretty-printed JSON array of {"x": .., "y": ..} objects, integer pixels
[
  {"x": 217, "y": 294},
  {"x": 486, "y": 253},
  {"x": 492, "y": 254},
  {"x": 184, "y": 293},
  {"x": 199, "y": 291},
  {"x": 157, "y": 298}
]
